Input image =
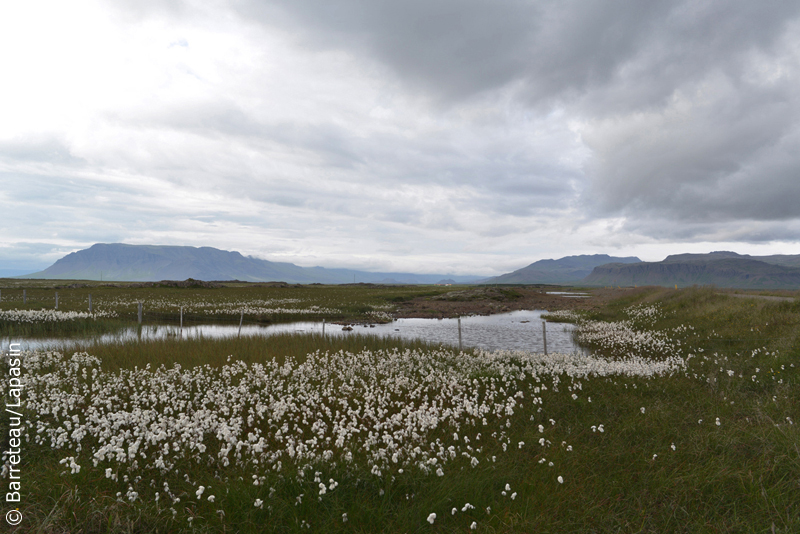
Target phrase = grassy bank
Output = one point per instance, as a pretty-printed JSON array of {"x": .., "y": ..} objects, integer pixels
[{"x": 687, "y": 423}]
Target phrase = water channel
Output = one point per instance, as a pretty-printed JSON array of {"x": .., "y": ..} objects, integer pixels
[{"x": 518, "y": 330}]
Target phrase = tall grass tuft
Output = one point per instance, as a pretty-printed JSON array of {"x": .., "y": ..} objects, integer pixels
[{"x": 249, "y": 349}]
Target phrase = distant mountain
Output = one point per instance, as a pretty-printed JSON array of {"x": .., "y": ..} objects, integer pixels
[
  {"x": 144, "y": 263},
  {"x": 722, "y": 269},
  {"x": 787, "y": 260},
  {"x": 567, "y": 270}
]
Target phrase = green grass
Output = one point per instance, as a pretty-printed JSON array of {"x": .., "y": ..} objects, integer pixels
[
  {"x": 161, "y": 305},
  {"x": 249, "y": 349},
  {"x": 740, "y": 476}
]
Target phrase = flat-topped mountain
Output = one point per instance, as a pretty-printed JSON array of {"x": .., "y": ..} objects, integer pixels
[
  {"x": 567, "y": 270},
  {"x": 147, "y": 263},
  {"x": 722, "y": 269}
]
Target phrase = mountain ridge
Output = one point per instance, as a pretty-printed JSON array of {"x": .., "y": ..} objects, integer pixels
[
  {"x": 563, "y": 271},
  {"x": 150, "y": 263},
  {"x": 722, "y": 269}
]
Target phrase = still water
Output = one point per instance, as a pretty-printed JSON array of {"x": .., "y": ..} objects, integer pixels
[{"x": 519, "y": 330}]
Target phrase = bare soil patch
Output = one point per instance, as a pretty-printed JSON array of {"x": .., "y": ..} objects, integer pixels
[{"x": 489, "y": 300}]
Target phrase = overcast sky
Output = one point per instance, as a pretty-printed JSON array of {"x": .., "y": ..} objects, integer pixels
[{"x": 460, "y": 136}]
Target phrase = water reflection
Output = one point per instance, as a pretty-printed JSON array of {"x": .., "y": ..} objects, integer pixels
[
  {"x": 569, "y": 294},
  {"x": 518, "y": 330}
]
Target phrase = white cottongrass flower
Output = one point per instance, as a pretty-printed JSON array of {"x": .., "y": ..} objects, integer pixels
[
  {"x": 453, "y": 511},
  {"x": 718, "y": 423},
  {"x": 473, "y": 526},
  {"x": 431, "y": 518},
  {"x": 641, "y": 409},
  {"x": 200, "y": 491},
  {"x": 560, "y": 479},
  {"x": 259, "y": 503},
  {"x": 344, "y": 517},
  {"x": 513, "y": 495},
  {"x": 266, "y": 430},
  {"x": 211, "y": 498}
]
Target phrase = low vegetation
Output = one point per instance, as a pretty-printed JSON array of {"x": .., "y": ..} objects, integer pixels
[
  {"x": 115, "y": 306},
  {"x": 684, "y": 419}
]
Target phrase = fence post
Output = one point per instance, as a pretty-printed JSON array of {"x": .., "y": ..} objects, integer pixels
[
  {"x": 459, "y": 332},
  {"x": 544, "y": 336},
  {"x": 24, "y": 296},
  {"x": 56, "y": 299},
  {"x": 140, "y": 313},
  {"x": 323, "y": 327},
  {"x": 181, "y": 318},
  {"x": 241, "y": 319},
  {"x": 90, "y": 303}
]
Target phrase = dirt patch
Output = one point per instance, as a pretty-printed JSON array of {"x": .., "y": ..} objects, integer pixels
[
  {"x": 762, "y": 297},
  {"x": 489, "y": 300}
]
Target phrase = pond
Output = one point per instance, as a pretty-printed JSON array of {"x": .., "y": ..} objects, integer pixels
[{"x": 518, "y": 330}]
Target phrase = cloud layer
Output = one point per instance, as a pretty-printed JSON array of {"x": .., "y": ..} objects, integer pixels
[{"x": 471, "y": 137}]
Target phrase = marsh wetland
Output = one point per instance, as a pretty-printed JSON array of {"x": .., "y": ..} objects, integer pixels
[{"x": 681, "y": 416}]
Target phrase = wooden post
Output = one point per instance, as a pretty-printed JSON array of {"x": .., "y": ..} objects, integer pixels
[
  {"x": 181, "y": 318},
  {"x": 90, "y": 303},
  {"x": 24, "y": 296},
  {"x": 241, "y": 319},
  {"x": 544, "y": 336},
  {"x": 1, "y": 295},
  {"x": 323, "y": 327},
  {"x": 140, "y": 313},
  {"x": 56, "y": 299},
  {"x": 459, "y": 333}
]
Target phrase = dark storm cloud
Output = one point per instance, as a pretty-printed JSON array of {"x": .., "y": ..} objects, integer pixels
[
  {"x": 560, "y": 49},
  {"x": 452, "y": 47},
  {"x": 681, "y": 111},
  {"x": 722, "y": 151}
]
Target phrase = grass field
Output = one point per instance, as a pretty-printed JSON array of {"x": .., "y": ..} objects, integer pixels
[
  {"x": 684, "y": 420},
  {"x": 115, "y": 306}
]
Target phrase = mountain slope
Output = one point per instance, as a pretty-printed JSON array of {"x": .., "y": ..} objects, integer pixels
[
  {"x": 567, "y": 270},
  {"x": 142, "y": 263},
  {"x": 728, "y": 270}
]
